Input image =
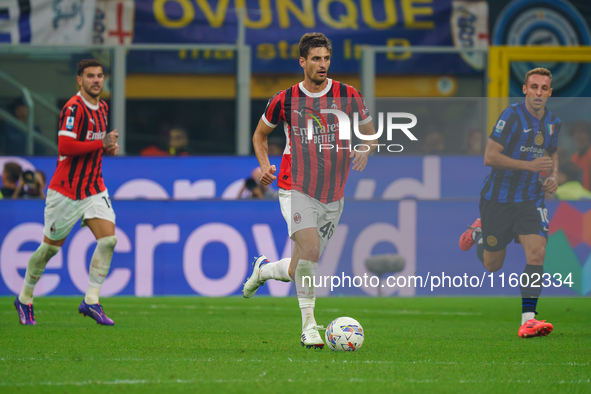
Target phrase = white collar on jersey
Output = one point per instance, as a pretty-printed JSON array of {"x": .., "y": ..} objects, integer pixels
[
  {"x": 93, "y": 107},
  {"x": 319, "y": 94}
]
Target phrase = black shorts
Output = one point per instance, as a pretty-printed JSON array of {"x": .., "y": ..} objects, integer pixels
[{"x": 503, "y": 222}]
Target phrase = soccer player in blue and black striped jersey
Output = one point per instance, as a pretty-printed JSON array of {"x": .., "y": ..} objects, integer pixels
[{"x": 522, "y": 151}]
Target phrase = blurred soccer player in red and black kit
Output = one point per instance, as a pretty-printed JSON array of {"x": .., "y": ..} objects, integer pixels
[
  {"x": 313, "y": 171},
  {"x": 77, "y": 191}
]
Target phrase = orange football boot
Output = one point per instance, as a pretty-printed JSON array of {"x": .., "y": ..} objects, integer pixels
[
  {"x": 535, "y": 328},
  {"x": 466, "y": 241}
]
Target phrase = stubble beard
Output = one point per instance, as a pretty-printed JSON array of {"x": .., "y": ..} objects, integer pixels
[
  {"x": 89, "y": 92},
  {"x": 317, "y": 81}
]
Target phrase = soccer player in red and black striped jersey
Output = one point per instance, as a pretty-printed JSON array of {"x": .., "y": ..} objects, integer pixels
[
  {"x": 77, "y": 191},
  {"x": 313, "y": 171}
]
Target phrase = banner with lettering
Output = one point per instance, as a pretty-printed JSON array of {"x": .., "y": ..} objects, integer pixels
[
  {"x": 274, "y": 28},
  {"x": 207, "y": 247},
  {"x": 113, "y": 22},
  {"x": 52, "y": 22},
  {"x": 182, "y": 230}
]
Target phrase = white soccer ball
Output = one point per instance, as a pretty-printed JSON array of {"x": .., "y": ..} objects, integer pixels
[{"x": 344, "y": 334}]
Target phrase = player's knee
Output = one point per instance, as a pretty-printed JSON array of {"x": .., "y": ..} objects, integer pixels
[
  {"x": 108, "y": 242},
  {"x": 47, "y": 251},
  {"x": 493, "y": 264},
  {"x": 310, "y": 252},
  {"x": 536, "y": 256}
]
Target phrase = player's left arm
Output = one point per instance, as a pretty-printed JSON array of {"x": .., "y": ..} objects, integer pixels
[
  {"x": 110, "y": 145},
  {"x": 365, "y": 127},
  {"x": 360, "y": 158},
  {"x": 550, "y": 184},
  {"x": 110, "y": 149}
]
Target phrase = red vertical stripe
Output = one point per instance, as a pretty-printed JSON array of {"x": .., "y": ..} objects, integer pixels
[
  {"x": 325, "y": 154},
  {"x": 338, "y": 173},
  {"x": 298, "y": 159},
  {"x": 98, "y": 181},
  {"x": 311, "y": 161},
  {"x": 345, "y": 164},
  {"x": 284, "y": 180},
  {"x": 296, "y": 146},
  {"x": 92, "y": 159},
  {"x": 82, "y": 131},
  {"x": 84, "y": 168}
]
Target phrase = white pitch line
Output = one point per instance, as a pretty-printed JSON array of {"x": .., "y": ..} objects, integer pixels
[
  {"x": 99, "y": 382},
  {"x": 274, "y": 308},
  {"x": 278, "y": 308},
  {"x": 257, "y": 380},
  {"x": 318, "y": 309},
  {"x": 306, "y": 361}
]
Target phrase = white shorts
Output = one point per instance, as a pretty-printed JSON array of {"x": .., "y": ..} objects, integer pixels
[
  {"x": 61, "y": 212},
  {"x": 309, "y": 212}
]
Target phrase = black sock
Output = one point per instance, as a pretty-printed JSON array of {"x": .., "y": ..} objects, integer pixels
[
  {"x": 480, "y": 252},
  {"x": 479, "y": 247},
  {"x": 531, "y": 293}
]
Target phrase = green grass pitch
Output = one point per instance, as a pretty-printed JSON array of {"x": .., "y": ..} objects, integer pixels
[{"x": 195, "y": 344}]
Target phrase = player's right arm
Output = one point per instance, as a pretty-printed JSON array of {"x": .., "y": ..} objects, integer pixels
[
  {"x": 271, "y": 117},
  {"x": 494, "y": 157},
  {"x": 261, "y": 150}
]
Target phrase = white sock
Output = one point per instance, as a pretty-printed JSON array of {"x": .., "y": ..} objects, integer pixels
[
  {"x": 308, "y": 319},
  {"x": 278, "y": 270},
  {"x": 99, "y": 267},
  {"x": 475, "y": 234},
  {"x": 304, "y": 280},
  {"x": 525, "y": 316},
  {"x": 35, "y": 268}
]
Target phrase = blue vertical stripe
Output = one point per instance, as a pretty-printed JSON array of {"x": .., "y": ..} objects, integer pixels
[
  {"x": 4, "y": 16},
  {"x": 24, "y": 21}
]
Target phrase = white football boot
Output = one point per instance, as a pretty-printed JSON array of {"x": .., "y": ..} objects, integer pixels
[
  {"x": 311, "y": 339},
  {"x": 254, "y": 282}
]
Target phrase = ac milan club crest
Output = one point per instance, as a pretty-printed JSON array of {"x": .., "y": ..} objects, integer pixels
[{"x": 297, "y": 218}]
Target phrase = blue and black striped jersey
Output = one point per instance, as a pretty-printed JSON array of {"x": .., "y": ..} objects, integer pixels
[{"x": 523, "y": 137}]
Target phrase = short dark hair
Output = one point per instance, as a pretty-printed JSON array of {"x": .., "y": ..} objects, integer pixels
[
  {"x": 313, "y": 40},
  {"x": 13, "y": 170},
  {"x": 88, "y": 63}
]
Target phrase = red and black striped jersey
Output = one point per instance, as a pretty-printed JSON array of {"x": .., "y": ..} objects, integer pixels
[
  {"x": 82, "y": 127},
  {"x": 318, "y": 166}
]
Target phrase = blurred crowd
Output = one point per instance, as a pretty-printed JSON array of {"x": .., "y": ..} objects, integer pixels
[
  {"x": 13, "y": 141},
  {"x": 574, "y": 154},
  {"x": 17, "y": 183}
]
